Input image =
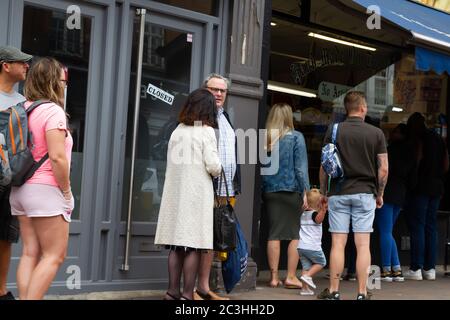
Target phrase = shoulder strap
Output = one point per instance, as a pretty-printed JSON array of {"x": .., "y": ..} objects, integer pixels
[
  {"x": 36, "y": 104},
  {"x": 35, "y": 166},
  {"x": 218, "y": 188},
  {"x": 335, "y": 129}
]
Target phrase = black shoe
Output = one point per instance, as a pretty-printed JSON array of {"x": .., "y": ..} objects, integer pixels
[
  {"x": 350, "y": 277},
  {"x": 362, "y": 296},
  {"x": 8, "y": 296},
  {"x": 326, "y": 295}
]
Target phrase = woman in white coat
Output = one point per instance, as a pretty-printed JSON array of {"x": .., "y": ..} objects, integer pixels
[{"x": 185, "y": 222}]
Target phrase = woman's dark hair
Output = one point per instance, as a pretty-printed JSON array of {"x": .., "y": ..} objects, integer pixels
[
  {"x": 200, "y": 106},
  {"x": 402, "y": 129},
  {"x": 416, "y": 125}
]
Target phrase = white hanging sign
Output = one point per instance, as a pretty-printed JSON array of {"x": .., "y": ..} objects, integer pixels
[
  {"x": 160, "y": 94},
  {"x": 329, "y": 91}
]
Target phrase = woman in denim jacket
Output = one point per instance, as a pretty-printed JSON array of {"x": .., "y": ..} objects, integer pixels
[{"x": 284, "y": 181}]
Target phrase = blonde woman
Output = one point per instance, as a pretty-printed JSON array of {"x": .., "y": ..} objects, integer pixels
[
  {"x": 44, "y": 203},
  {"x": 283, "y": 191}
]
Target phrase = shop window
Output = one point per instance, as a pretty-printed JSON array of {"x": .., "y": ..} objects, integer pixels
[
  {"x": 63, "y": 40},
  {"x": 154, "y": 39},
  {"x": 210, "y": 7},
  {"x": 45, "y": 34},
  {"x": 443, "y": 5},
  {"x": 380, "y": 91}
]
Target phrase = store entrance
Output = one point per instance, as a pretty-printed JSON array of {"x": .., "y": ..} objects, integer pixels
[{"x": 165, "y": 66}]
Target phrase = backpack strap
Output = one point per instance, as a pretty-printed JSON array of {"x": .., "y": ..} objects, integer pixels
[
  {"x": 333, "y": 137},
  {"x": 36, "y": 104},
  {"x": 35, "y": 166}
]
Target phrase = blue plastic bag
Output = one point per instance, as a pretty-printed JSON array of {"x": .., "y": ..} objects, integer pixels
[{"x": 235, "y": 266}]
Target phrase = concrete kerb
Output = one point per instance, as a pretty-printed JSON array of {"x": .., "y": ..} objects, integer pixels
[{"x": 111, "y": 295}]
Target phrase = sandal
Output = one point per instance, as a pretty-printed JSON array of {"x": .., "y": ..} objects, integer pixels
[
  {"x": 171, "y": 296},
  {"x": 274, "y": 285},
  {"x": 184, "y": 298},
  {"x": 292, "y": 285}
]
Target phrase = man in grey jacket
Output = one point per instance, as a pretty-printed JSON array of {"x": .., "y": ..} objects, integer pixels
[{"x": 13, "y": 69}]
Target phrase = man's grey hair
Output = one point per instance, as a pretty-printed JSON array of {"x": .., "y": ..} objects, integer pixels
[{"x": 218, "y": 76}]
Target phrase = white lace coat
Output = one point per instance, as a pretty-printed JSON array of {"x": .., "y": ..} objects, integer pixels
[{"x": 186, "y": 213}]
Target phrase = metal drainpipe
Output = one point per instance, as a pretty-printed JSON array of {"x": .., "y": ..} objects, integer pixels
[{"x": 139, "y": 12}]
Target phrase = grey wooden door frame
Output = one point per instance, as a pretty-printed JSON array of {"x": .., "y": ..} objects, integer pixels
[{"x": 84, "y": 226}]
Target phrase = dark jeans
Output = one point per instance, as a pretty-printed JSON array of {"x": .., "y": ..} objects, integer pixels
[
  {"x": 386, "y": 217},
  {"x": 9, "y": 225},
  {"x": 350, "y": 255},
  {"x": 421, "y": 218}
]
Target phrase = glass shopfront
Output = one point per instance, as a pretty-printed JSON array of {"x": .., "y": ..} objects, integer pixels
[{"x": 320, "y": 71}]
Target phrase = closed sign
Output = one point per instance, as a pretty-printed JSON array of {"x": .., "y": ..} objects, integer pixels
[{"x": 160, "y": 94}]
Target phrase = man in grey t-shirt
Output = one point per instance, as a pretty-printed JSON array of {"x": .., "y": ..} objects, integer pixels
[
  {"x": 13, "y": 69},
  {"x": 362, "y": 149}
]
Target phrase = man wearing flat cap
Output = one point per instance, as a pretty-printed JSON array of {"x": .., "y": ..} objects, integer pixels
[{"x": 13, "y": 69}]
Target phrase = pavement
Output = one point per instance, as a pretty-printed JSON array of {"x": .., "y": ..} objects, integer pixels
[{"x": 438, "y": 289}]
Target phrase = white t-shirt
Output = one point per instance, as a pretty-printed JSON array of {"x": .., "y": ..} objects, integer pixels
[
  {"x": 310, "y": 232},
  {"x": 10, "y": 99}
]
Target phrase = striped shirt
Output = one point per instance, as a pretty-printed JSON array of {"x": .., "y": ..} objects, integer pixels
[{"x": 227, "y": 154}]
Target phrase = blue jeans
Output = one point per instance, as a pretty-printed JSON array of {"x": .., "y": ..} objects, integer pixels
[
  {"x": 421, "y": 218},
  {"x": 385, "y": 219}
]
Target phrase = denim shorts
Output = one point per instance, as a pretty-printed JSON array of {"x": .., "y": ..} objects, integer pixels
[
  {"x": 310, "y": 257},
  {"x": 9, "y": 226},
  {"x": 360, "y": 208}
]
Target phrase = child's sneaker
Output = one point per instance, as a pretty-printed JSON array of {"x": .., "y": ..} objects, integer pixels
[
  {"x": 413, "y": 275},
  {"x": 306, "y": 292},
  {"x": 397, "y": 276},
  {"x": 429, "y": 274},
  {"x": 308, "y": 280}
]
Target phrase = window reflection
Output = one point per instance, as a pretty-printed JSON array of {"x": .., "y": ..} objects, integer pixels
[
  {"x": 167, "y": 66},
  {"x": 209, "y": 7},
  {"x": 45, "y": 34}
]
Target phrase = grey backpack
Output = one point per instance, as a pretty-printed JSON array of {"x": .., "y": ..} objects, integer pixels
[{"x": 17, "y": 164}]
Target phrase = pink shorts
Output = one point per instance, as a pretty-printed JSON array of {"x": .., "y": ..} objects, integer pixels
[{"x": 39, "y": 200}]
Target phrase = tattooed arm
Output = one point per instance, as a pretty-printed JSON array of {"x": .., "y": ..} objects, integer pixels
[{"x": 383, "y": 169}]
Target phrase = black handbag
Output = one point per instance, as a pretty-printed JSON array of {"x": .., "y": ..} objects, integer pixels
[{"x": 224, "y": 221}]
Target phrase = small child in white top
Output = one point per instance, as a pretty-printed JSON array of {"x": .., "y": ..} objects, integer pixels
[{"x": 310, "y": 243}]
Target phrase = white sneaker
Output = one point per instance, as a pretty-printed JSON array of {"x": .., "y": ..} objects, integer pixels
[
  {"x": 306, "y": 292},
  {"x": 429, "y": 275},
  {"x": 308, "y": 280},
  {"x": 413, "y": 275}
]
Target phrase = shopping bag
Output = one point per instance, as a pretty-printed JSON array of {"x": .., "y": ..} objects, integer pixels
[
  {"x": 224, "y": 222},
  {"x": 236, "y": 265}
]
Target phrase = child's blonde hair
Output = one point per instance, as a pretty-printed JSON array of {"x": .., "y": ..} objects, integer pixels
[{"x": 313, "y": 197}]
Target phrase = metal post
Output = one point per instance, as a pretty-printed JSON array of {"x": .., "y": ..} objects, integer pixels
[{"x": 139, "y": 12}]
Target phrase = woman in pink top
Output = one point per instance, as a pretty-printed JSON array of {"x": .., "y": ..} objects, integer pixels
[{"x": 44, "y": 203}]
